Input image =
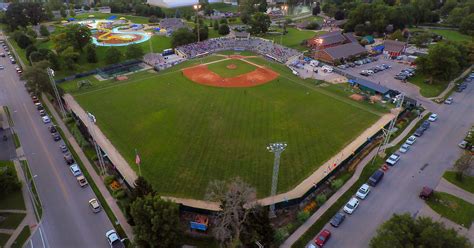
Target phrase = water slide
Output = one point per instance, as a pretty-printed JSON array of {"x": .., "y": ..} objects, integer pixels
[{"x": 107, "y": 36}]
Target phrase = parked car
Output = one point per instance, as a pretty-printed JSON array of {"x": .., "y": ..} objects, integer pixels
[
  {"x": 56, "y": 136},
  {"x": 425, "y": 125},
  {"x": 52, "y": 129},
  {"x": 322, "y": 238},
  {"x": 68, "y": 158},
  {"x": 433, "y": 117},
  {"x": 419, "y": 132},
  {"x": 448, "y": 101},
  {"x": 393, "y": 159},
  {"x": 411, "y": 140},
  {"x": 82, "y": 181},
  {"x": 337, "y": 220},
  {"x": 75, "y": 170},
  {"x": 375, "y": 178},
  {"x": 42, "y": 113},
  {"x": 404, "y": 148},
  {"x": 63, "y": 148},
  {"x": 94, "y": 205},
  {"x": 464, "y": 144},
  {"x": 46, "y": 119},
  {"x": 363, "y": 191},
  {"x": 351, "y": 205},
  {"x": 426, "y": 193},
  {"x": 114, "y": 240}
]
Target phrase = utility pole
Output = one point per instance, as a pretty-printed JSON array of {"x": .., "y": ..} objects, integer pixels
[
  {"x": 277, "y": 149},
  {"x": 92, "y": 121},
  {"x": 388, "y": 132},
  {"x": 56, "y": 92}
]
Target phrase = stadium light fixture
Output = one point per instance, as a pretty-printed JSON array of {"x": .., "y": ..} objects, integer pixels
[{"x": 275, "y": 148}]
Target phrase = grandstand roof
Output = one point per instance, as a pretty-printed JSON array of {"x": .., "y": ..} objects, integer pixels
[{"x": 345, "y": 50}]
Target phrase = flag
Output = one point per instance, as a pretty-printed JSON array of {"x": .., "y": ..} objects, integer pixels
[{"x": 137, "y": 158}]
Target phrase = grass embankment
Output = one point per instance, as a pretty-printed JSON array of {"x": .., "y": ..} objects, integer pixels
[
  {"x": 29, "y": 177},
  {"x": 467, "y": 182},
  {"x": 369, "y": 169},
  {"x": 22, "y": 237},
  {"x": 452, "y": 208},
  {"x": 427, "y": 89},
  {"x": 202, "y": 128}
]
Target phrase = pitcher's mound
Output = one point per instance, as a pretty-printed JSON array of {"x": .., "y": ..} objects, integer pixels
[{"x": 232, "y": 66}]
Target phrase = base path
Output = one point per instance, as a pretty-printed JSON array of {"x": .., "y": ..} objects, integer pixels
[{"x": 202, "y": 75}]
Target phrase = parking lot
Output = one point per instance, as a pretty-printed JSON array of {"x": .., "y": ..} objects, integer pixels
[{"x": 386, "y": 77}]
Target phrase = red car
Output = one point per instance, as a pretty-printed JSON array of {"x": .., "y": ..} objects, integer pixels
[{"x": 322, "y": 238}]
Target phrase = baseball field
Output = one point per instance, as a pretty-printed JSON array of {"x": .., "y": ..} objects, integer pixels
[{"x": 189, "y": 133}]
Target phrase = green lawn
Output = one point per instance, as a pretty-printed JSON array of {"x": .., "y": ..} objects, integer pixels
[
  {"x": 3, "y": 239},
  {"x": 293, "y": 38},
  {"x": 467, "y": 182},
  {"x": 448, "y": 34},
  {"x": 426, "y": 89},
  {"x": 453, "y": 208},
  {"x": 12, "y": 220},
  {"x": 22, "y": 237},
  {"x": 222, "y": 70},
  {"x": 13, "y": 200},
  {"x": 189, "y": 134}
]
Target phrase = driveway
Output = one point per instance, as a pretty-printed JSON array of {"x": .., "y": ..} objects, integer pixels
[
  {"x": 67, "y": 220},
  {"x": 424, "y": 164}
]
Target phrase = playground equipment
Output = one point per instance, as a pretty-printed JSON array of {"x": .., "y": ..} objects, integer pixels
[
  {"x": 109, "y": 32},
  {"x": 200, "y": 223}
]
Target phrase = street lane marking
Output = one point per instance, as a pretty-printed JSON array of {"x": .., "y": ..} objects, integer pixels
[
  {"x": 41, "y": 235},
  {"x": 43, "y": 145}
]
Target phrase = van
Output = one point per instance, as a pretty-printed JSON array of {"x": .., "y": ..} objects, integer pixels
[
  {"x": 314, "y": 63},
  {"x": 375, "y": 178},
  {"x": 294, "y": 72},
  {"x": 327, "y": 68}
]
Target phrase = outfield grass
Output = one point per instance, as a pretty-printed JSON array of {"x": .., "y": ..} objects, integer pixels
[
  {"x": 293, "y": 38},
  {"x": 426, "y": 89},
  {"x": 467, "y": 182},
  {"x": 222, "y": 70},
  {"x": 452, "y": 208},
  {"x": 189, "y": 134},
  {"x": 12, "y": 220}
]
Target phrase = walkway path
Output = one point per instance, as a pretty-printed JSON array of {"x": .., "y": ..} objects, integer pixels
[
  {"x": 303, "y": 228},
  {"x": 95, "y": 177},
  {"x": 445, "y": 186}
]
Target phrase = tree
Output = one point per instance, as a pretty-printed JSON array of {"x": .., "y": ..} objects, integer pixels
[
  {"x": 53, "y": 61},
  {"x": 181, "y": 37},
  {"x": 156, "y": 222},
  {"x": 317, "y": 9},
  {"x": 224, "y": 29},
  {"x": 441, "y": 62},
  {"x": 24, "y": 14},
  {"x": 113, "y": 55},
  {"x": 8, "y": 180},
  {"x": 422, "y": 39},
  {"x": 72, "y": 13},
  {"x": 463, "y": 164},
  {"x": 203, "y": 32},
  {"x": 24, "y": 41},
  {"x": 70, "y": 57},
  {"x": 91, "y": 53},
  {"x": 36, "y": 57},
  {"x": 32, "y": 33},
  {"x": 397, "y": 35},
  {"x": 37, "y": 78},
  {"x": 62, "y": 12},
  {"x": 312, "y": 26},
  {"x": 262, "y": 6},
  {"x": 339, "y": 15},
  {"x": 142, "y": 188},
  {"x": 457, "y": 15},
  {"x": 75, "y": 35},
  {"x": 44, "y": 31},
  {"x": 134, "y": 52},
  {"x": 467, "y": 25},
  {"x": 260, "y": 23},
  {"x": 404, "y": 231},
  {"x": 258, "y": 228},
  {"x": 216, "y": 25},
  {"x": 30, "y": 49},
  {"x": 230, "y": 222}
]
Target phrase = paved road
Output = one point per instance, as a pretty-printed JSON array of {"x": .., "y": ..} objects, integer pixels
[
  {"x": 67, "y": 220},
  {"x": 398, "y": 192}
]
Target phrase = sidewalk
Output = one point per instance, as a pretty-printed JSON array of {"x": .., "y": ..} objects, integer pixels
[
  {"x": 95, "y": 177},
  {"x": 447, "y": 187},
  {"x": 303, "y": 228}
]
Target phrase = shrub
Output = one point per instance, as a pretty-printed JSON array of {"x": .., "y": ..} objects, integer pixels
[
  {"x": 321, "y": 199},
  {"x": 302, "y": 216},
  {"x": 337, "y": 184},
  {"x": 109, "y": 179},
  {"x": 119, "y": 194},
  {"x": 281, "y": 234},
  {"x": 312, "y": 26}
]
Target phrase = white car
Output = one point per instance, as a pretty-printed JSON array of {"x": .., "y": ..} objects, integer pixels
[
  {"x": 433, "y": 117},
  {"x": 75, "y": 170},
  {"x": 114, "y": 240},
  {"x": 327, "y": 68},
  {"x": 393, "y": 159},
  {"x": 94, "y": 204},
  {"x": 351, "y": 206},
  {"x": 404, "y": 148},
  {"x": 46, "y": 119},
  {"x": 363, "y": 191},
  {"x": 411, "y": 140}
]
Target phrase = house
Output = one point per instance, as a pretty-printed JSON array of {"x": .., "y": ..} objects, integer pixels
[
  {"x": 335, "y": 46},
  {"x": 240, "y": 35},
  {"x": 394, "y": 48},
  {"x": 176, "y": 3}
]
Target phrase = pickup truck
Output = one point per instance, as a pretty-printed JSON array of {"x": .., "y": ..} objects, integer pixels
[{"x": 114, "y": 240}]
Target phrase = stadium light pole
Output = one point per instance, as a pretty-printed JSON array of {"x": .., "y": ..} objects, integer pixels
[
  {"x": 277, "y": 149},
  {"x": 56, "y": 92},
  {"x": 91, "y": 118},
  {"x": 197, "y": 7}
]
